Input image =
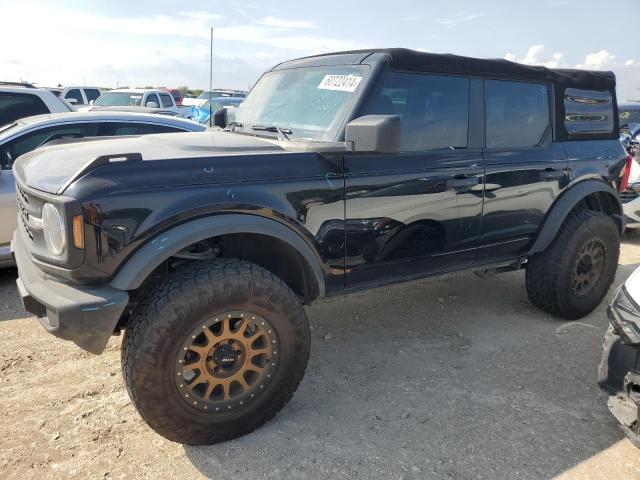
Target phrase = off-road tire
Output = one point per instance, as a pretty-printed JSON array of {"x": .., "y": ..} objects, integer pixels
[
  {"x": 550, "y": 274},
  {"x": 161, "y": 321}
]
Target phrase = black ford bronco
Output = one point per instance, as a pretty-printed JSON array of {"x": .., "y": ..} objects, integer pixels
[{"x": 339, "y": 172}]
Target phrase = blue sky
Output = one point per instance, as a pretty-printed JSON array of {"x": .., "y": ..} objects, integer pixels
[{"x": 158, "y": 42}]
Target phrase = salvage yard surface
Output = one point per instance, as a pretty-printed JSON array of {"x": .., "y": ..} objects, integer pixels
[{"x": 450, "y": 378}]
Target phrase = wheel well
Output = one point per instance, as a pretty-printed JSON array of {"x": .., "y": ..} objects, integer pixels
[
  {"x": 275, "y": 255},
  {"x": 599, "y": 202},
  {"x": 271, "y": 253}
]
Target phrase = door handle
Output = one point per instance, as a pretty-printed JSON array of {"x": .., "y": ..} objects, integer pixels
[
  {"x": 551, "y": 173},
  {"x": 462, "y": 181}
]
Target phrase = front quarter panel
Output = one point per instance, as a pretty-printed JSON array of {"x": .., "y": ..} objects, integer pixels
[{"x": 125, "y": 208}]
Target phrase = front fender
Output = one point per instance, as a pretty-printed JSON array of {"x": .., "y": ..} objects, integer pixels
[
  {"x": 563, "y": 206},
  {"x": 140, "y": 265}
]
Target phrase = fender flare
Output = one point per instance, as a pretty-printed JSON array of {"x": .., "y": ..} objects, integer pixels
[
  {"x": 567, "y": 201},
  {"x": 144, "y": 260}
]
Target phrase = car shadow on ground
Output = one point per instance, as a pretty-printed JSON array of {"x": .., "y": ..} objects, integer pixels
[
  {"x": 10, "y": 304},
  {"x": 449, "y": 378}
]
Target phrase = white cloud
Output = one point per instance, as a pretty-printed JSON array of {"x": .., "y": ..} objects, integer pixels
[
  {"x": 597, "y": 60},
  {"x": 460, "y": 18},
  {"x": 627, "y": 73},
  {"x": 151, "y": 49},
  {"x": 280, "y": 23},
  {"x": 534, "y": 56}
]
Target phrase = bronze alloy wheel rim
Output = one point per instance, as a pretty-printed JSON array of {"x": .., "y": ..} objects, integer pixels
[
  {"x": 227, "y": 361},
  {"x": 588, "y": 267}
]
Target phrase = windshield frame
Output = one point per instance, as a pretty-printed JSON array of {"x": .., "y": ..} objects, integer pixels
[{"x": 335, "y": 132}]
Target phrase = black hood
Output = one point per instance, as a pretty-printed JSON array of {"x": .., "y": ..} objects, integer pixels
[{"x": 51, "y": 168}]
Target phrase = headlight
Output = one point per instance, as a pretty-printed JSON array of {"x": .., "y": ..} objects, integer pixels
[{"x": 54, "y": 229}]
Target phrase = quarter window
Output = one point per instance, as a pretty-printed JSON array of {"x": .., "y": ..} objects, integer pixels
[
  {"x": 517, "y": 114},
  {"x": 433, "y": 109},
  {"x": 114, "y": 129}
]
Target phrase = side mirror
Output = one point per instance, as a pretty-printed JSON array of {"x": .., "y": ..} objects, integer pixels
[
  {"x": 72, "y": 101},
  {"x": 374, "y": 133},
  {"x": 220, "y": 118},
  {"x": 152, "y": 105},
  {"x": 91, "y": 102}
]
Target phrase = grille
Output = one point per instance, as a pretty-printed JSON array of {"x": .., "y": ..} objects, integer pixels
[{"x": 23, "y": 206}]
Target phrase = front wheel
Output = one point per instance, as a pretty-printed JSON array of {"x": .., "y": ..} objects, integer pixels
[
  {"x": 572, "y": 276},
  {"x": 215, "y": 351}
]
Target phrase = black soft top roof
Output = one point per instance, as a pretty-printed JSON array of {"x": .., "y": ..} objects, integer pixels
[{"x": 411, "y": 60}]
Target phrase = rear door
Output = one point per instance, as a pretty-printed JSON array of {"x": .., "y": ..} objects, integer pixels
[
  {"x": 525, "y": 169},
  {"x": 417, "y": 212}
]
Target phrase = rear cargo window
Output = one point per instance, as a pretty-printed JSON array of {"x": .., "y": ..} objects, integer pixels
[
  {"x": 19, "y": 105},
  {"x": 588, "y": 113}
]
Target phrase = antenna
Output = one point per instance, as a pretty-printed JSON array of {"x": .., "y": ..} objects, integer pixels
[{"x": 211, "y": 79}]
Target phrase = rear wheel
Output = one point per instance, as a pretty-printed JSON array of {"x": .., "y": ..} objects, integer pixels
[
  {"x": 572, "y": 276},
  {"x": 215, "y": 351}
]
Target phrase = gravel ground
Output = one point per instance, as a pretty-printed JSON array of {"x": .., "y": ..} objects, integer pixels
[{"x": 452, "y": 378}]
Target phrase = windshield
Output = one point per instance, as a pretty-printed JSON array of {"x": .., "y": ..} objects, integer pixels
[
  {"x": 119, "y": 99},
  {"x": 215, "y": 93},
  {"x": 310, "y": 103}
]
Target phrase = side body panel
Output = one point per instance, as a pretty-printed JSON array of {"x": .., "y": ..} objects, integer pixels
[
  {"x": 521, "y": 185},
  {"x": 411, "y": 214}
]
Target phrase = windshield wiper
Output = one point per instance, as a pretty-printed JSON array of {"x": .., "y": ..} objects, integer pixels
[{"x": 282, "y": 132}]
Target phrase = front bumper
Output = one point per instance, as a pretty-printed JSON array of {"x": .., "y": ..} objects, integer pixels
[
  {"x": 85, "y": 315},
  {"x": 617, "y": 378}
]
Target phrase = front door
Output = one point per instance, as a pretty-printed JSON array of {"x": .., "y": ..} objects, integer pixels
[{"x": 417, "y": 212}]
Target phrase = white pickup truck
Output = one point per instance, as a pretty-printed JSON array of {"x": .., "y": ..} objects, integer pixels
[{"x": 132, "y": 99}]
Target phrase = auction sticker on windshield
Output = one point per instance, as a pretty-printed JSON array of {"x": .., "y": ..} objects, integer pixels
[{"x": 343, "y": 83}]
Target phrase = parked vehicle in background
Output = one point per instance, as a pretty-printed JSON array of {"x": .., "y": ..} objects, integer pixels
[
  {"x": 630, "y": 138},
  {"x": 20, "y": 100},
  {"x": 27, "y": 134},
  {"x": 202, "y": 112},
  {"x": 207, "y": 94},
  {"x": 619, "y": 371},
  {"x": 138, "y": 97},
  {"x": 340, "y": 172},
  {"x": 629, "y": 114},
  {"x": 176, "y": 94},
  {"x": 77, "y": 96}
]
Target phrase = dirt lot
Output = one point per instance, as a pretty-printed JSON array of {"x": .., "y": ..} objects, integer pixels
[{"x": 454, "y": 378}]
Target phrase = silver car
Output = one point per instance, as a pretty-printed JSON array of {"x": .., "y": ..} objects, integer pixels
[{"x": 29, "y": 133}]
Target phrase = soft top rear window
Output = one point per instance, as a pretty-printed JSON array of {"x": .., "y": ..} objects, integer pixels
[{"x": 588, "y": 113}]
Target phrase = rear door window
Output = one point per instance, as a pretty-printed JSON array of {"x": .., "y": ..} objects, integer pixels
[
  {"x": 75, "y": 94},
  {"x": 31, "y": 140},
  {"x": 152, "y": 98},
  {"x": 92, "y": 94},
  {"x": 165, "y": 98},
  {"x": 517, "y": 113},
  {"x": 19, "y": 105}
]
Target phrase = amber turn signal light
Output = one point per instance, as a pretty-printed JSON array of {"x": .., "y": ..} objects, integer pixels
[{"x": 78, "y": 232}]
